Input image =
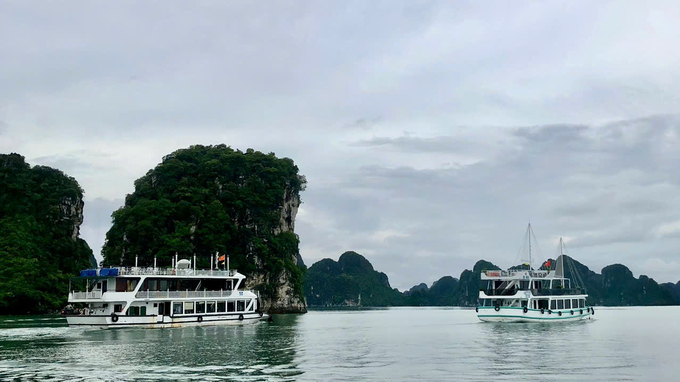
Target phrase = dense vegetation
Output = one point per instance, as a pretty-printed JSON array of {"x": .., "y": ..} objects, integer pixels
[
  {"x": 350, "y": 281},
  {"x": 40, "y": 215},
  {"x": 334, "y": 284},
  {"x": 208, "y": 199}
]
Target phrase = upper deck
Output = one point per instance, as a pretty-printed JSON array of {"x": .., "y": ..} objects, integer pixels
[
  {"x": 162, "y": 272},
  {"x": 516, "y": 275}
]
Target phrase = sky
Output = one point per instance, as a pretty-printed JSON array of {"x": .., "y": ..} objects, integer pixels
[{"x": 430, "y": 132}]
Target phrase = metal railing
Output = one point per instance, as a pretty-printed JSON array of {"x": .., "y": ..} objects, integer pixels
[
  {"x": 190, "y": 294},
  {"x": 148, "y": 271},
  {"x": 501, "y": 273},
  {"x": 535, "y": 292},
  {"x": 85, "y": 295}
]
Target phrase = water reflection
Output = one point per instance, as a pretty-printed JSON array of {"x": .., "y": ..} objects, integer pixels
[{"x": 262, "y": 351}]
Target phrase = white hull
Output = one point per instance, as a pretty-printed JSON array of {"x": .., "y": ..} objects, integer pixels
[
  {"x": 156, "y": 322},
  {"x": 506, "y": 314}
]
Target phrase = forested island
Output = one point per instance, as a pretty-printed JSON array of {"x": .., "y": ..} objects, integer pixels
[
  {"x": 208, "y": 199},
  {"x": 41, "y": 210},
  {"x": 352, "y": 281}
]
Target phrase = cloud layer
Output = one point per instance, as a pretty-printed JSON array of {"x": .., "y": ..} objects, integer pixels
[{"x": 430, "y": 133}]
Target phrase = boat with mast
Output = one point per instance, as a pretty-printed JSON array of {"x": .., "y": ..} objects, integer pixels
[
  {"x": 525, "y": 294},
  {"x": 154, "y": 297}
]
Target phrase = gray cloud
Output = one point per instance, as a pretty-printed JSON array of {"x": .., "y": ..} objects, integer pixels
[{"x": 514, "y": 112}]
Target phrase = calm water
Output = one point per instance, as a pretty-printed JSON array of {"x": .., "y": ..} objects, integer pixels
[{"x": 625, "y": 344}]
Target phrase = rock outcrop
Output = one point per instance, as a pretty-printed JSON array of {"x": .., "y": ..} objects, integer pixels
[
  {"x": 208, "y": 199},
  {"x": 41, "y": 210}
]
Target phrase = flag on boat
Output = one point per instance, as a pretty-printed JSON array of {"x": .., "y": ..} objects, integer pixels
[
  {"x": 220, "y": 259},
  {"x": 547, "y": 264}
]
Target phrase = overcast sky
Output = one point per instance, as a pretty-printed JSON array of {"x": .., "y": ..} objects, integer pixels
[{"x": 430, "y": 133}]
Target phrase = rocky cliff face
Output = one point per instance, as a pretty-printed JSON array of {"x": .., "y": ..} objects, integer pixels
[{"x": 285, "y": 298}]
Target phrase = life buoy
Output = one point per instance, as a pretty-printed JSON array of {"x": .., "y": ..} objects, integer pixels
[
  {"x": 572, "y": 312},
  {"x": 592, "y": 311},
  {"x": 542, "y": 310},
  {"x": 496, "y": 308},
  {"x": 240, "y": 317},
  {"x": 525, "y": 309},
  {"x": 200, "y": 319},
  {"x": 581, "y": 311},
  {"x": 549, "y": 311},
  {"x": 114, "y": 317},
  {"x": 559, "y": 313},
  {"x": 476, "y": 310}
]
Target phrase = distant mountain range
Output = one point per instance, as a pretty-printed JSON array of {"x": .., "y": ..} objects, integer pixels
[{"x": 352, "y": 281}]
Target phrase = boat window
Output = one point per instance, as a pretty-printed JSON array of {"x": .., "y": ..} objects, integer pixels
[
  {"x": 560, "y": 304},
  {"x": 118, "y": 308},
  {"x": 221, "y": 306},
  {"x": 142, "y": 310},
  {"x": 567, "y": 304},
  {"x": 574, "y": 303},
  {"x": 240, "y": 306},
  {"x": 163, "y": 285},
  {"x": 542, "y": 304},
  {"x": 188, "y": 308},
  {"x": 231, "y": 306},
  {"x": 524, "y": 303},
  {"x": 557, "y": 284},
  {"x": 524, "y": 285},
  {"x": 133, "y": 311},
  {"x": 200, "y": 307},
  {"x": 211, "y": 306},
  {"x": 177, "y": 308},
  {"x": 553, "y": 304}
]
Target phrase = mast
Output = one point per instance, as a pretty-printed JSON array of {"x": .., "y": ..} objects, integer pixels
[{"x": 529, "y": 233}]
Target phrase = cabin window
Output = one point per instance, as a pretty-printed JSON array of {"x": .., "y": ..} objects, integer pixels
[
  {"x": 524, "y": 285},
  {"x": 142, "y": 310},
  {"x": 211, "y": 306},
  {"x": 542, "y": 304},
  {"x": 163, "y": 285},
  {"x": 221, "y": 306},
  {"x": 581, "y": 303},
  {"x": 553, "y": 304},
  {"x": 567, "y": 304},
  {"x": 560, "y": 304},
  {"x": 177, "y": 308},
  {"x": 231, "y": 306},
  {"x": 200, "y": 307},
  {"x": 574, "y": 303},
  {"x": 240, "y": 306},
  {"x": 188, "y": 308},
  {"x": 133, "y": 311},
  {"x": 118, "y": 308},
  {"x": 524, "y": 303}
]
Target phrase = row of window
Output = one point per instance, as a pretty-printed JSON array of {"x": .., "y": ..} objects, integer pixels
[
  {"x": 209, "y": 307},
  {"x": 555, "y": 304},
  {"x": 574, "y": 303}
]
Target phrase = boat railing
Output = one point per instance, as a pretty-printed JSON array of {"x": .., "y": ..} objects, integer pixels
[
  {"x": 190, "y": 294},
  {"x": 557, "y": 292},
  {"x": 535, "y": 292},
  {"x": 513, "y": 273},
  {"x": 150, "y": 271},
  {"x": 97, "y": 294}
]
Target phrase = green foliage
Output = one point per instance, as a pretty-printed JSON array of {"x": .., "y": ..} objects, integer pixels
[
  {"x": 330, "y": 283},
  {"x": 208, "y": 199},
  {"x": 40, "y": 212}
]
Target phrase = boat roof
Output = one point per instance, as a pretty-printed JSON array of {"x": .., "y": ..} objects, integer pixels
[
  {"x": 101, "y": 273},
  {"x": 520, "y": 274}
]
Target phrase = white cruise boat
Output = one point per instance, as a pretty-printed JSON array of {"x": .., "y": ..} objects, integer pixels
[
  {"x": 527, "y": 295},
  {"x": 160, "y": 297}
]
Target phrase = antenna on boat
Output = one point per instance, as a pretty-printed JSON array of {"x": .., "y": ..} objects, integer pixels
[{"x": 136, "y": 257}]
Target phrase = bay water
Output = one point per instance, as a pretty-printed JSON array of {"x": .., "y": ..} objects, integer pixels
[{"x": 394, "y": 344}]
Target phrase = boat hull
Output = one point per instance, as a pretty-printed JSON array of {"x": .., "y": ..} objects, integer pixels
[
  {"x": 506, "y": 314},
  {"x": 154, "y": 322}
]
